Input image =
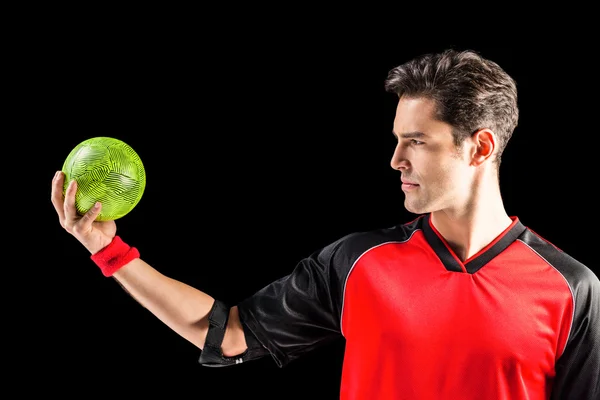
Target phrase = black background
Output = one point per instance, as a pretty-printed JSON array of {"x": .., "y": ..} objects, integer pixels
[{"x": 260, "y": 146}]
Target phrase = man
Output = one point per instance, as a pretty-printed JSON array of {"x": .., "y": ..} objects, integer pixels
[{"x": 462, "y": 302}]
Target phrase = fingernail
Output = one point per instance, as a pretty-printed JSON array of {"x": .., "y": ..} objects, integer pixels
[{"x": 57, "y": 174}]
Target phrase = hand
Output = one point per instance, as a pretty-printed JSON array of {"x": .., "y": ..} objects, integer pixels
[{"x": 94, "y": 235}]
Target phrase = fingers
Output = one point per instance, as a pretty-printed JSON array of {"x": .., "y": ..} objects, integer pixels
[
  {"x": 69, "y": 209},
  {"x": 85, "y": 223},
  {"x": 57, "y": 195},
  {"x": 65, "y": 206}
]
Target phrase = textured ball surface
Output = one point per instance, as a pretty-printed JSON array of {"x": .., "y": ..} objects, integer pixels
[{"x": 106, "y": 170}]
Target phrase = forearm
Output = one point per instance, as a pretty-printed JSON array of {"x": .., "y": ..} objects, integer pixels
[{"x": 180, "y": 306}]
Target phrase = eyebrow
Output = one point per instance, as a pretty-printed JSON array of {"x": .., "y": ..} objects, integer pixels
[{"x": 410, "y": 135}]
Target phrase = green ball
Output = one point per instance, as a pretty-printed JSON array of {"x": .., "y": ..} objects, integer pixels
[{"x": 106, "y": 170}]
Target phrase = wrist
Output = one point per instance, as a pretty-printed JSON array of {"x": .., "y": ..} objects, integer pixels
[
  {"x": 114, "y": 256},
  {"x": 99, "y": 245}
]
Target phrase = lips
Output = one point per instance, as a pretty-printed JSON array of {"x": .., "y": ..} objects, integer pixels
[{"x": 408, "y": 186}]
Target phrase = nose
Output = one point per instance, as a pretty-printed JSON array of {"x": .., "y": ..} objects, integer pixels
[{"x": 399, "y": 161}]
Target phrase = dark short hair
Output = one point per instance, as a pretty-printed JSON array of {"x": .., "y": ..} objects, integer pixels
[{"x": 470, "y": 92}]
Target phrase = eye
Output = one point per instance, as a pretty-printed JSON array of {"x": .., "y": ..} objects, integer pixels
[{"x": 416, "y": 142}]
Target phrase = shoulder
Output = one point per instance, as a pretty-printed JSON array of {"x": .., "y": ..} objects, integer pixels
[
  {"x": 580, "y": 277},
  {"x": 348, "y": 248}
]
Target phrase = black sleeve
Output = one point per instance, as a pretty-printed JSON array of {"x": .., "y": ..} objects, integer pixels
[
  {"x": 211, "y": 354},
  {"x": 578, "y": 368},
  {"x": 302, "y": 310}
]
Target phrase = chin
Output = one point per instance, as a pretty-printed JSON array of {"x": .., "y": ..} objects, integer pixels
[{"x": 416, "y": 207}]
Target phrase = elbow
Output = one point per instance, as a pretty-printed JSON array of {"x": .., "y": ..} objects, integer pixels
[{"x": 234, "y": 341}]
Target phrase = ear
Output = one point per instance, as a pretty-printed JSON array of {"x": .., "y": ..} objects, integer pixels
[{"x": 484, "y": 142}]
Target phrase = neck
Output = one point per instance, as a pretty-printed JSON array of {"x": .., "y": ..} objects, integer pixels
[{"x": 470, "y": 228}]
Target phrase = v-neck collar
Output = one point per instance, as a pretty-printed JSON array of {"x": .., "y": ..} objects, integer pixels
[{"x": 476, "y": 262}]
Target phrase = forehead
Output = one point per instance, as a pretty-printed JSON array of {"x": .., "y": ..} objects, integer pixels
[
  {"x": 418, "y": 115},
  {"x": 414, "y": 110}
]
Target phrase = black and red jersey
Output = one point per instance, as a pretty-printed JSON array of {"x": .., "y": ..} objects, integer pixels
[{"x": 518, "y": 320}]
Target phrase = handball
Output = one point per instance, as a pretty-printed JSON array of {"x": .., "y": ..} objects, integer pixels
[{"x": 106, "y": 170}]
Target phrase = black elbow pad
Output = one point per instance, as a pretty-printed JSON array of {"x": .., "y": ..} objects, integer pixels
[{"x": 212, "y": 355}]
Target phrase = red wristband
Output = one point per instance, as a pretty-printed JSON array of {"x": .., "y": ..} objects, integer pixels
[{"x": 114, "y": 256}]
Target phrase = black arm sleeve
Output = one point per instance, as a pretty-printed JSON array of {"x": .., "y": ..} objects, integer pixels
[
  {"x": 289, "y": 316},
  {"x": 212, "y": 355},
  {"x": 578, "y": 368},
  {"x": 302, "y": 310}
]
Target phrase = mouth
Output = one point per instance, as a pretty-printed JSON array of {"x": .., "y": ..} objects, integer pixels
[{"x": 409, "y": 186}]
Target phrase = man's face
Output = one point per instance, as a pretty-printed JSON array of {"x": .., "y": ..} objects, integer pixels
[{"x": 435, "y": 174}]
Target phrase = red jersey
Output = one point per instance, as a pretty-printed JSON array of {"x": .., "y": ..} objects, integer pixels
[{"x": 518, "y": 320}]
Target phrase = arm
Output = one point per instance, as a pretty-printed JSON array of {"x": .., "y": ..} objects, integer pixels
[
  {"x": 578, "y": 367},
  {"x": 184, "y": 309},
  {"x": 181, "y": 307}
]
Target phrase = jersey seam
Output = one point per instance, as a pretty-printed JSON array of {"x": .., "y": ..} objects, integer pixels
[
  {"x": 354, "y": 265},
  {"x": 570, "y": 291}
]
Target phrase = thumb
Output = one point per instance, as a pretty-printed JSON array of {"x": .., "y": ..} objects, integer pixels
[{"x": 90, "y": 216}]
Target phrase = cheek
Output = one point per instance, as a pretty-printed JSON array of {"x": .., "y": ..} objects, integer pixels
[
  {"x": 441, "y": 168},
  {"x": 446, "y": 171},
  {"x": 461, "y": 178},
  {"x": 450, "y": 174}
]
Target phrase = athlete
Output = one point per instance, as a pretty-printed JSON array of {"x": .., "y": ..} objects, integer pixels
[{"x": 464, "y": 301}]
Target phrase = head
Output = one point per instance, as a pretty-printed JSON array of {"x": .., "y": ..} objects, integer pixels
[{"x": 455, "y": 115}]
